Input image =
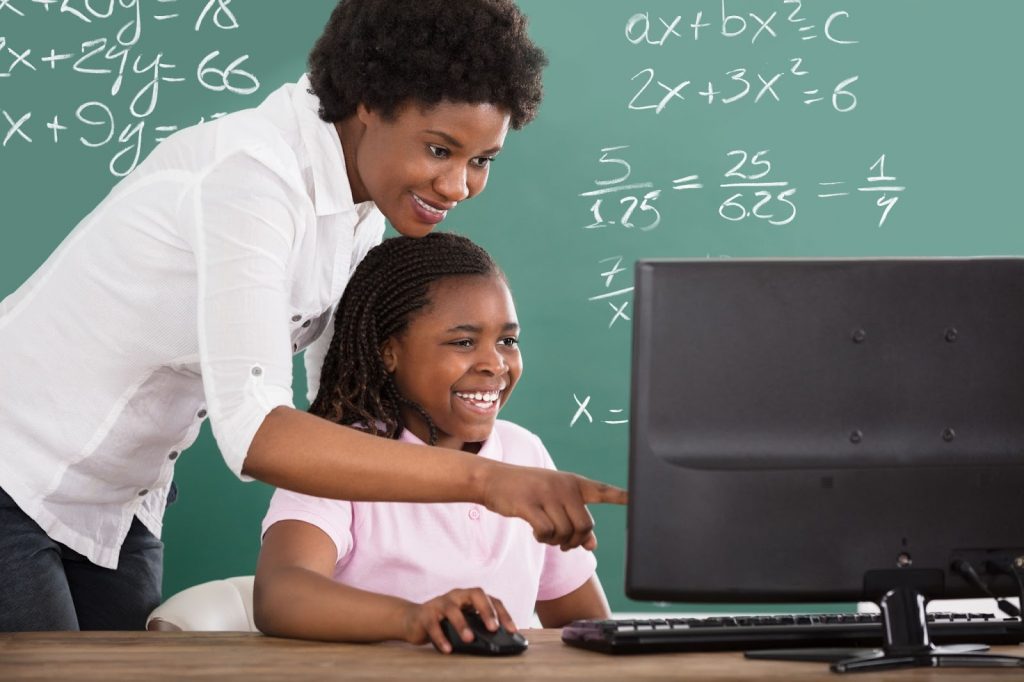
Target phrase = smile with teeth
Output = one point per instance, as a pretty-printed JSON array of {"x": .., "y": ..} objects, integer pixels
[
  {"x": 428, "y": 207},
  {"x": 482, "y": 400}
]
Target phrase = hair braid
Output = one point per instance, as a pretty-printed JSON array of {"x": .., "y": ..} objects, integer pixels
[{"x": 390, "y": 284}]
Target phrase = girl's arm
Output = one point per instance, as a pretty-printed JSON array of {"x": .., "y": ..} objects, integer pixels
[
  {"x": 295, "y": 596},
  {"x": 586, "y": 601},
  {"x": 301, "y": 452}
]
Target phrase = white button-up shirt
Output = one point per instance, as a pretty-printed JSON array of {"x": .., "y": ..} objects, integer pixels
[{"x": 183, "y": 295}]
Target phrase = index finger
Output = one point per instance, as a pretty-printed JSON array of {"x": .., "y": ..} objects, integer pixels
[
  {"x": 503, "y": 615},
  {"x": 595, "y": 492}
]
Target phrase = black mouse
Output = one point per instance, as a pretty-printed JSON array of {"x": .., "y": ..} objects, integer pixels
[{"x": 501, "y": 642}]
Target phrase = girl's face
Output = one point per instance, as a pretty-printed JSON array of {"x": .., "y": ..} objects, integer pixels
[
  {"x": 417, "y": 166},
  {"x": 458, "y": 358}
]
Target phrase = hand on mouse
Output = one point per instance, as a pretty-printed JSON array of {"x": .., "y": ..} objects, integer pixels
[{"x": 423, "y": 621}]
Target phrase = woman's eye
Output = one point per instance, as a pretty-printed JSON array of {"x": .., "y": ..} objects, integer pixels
[
  {"x": 483, "y": 161},
  {"x": 510, "y": 342},
  {"x": 438, "y": 152},
  {"x": 463, "y": 343}
]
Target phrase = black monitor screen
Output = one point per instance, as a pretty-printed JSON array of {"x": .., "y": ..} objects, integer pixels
[{"x": 821, "y": 430}]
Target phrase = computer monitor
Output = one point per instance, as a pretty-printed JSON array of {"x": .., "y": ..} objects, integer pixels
[{"x": 825, "y": 430}]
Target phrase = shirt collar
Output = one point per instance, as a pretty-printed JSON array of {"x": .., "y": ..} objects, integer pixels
[
  {"x": 331, "y": 191},
  {"x": 491, "y": 448}
]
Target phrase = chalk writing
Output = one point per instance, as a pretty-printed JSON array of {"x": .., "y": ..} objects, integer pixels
[
  {"x": 751, "y": 191},
  {"x": 732, "y": 24},
  {"x": 621, "y": 294},
  {"x": 740, "y": 85},
  {"x": 111, "y": 48},
  {"x": 583, "y": 416},
  {"x": 885, "y": 202},
  {"x": 630, "y": 199},
  {"x": 654, "y": 92}
]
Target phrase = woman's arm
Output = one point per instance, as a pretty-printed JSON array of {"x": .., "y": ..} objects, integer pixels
[
  {"x": 586, "y": 601},
  {"x": 301, "y": 452},
  {"x": 295, "y": 596}
]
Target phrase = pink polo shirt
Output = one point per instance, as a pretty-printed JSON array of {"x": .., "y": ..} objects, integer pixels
[{"x": 420, "y": 551}]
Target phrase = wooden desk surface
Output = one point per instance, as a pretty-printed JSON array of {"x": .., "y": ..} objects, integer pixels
[{"x": 248, "y": 656}]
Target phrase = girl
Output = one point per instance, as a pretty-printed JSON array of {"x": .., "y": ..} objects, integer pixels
[
  {"x": 184, "y": 294},
  {"x": 425, "y": 350}
]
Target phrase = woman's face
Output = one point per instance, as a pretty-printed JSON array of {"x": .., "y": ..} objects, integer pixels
[
  {"x": 458, "y": 358},
  {"x": 422, "y": 162}
]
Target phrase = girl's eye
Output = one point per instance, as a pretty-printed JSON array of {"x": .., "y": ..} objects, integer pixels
[
  {"x": 463, "y": 343},
  {"x": 483, "y": 161},
  {"x": 510, "y": 342},
  {"x": 438, "y": 152}
]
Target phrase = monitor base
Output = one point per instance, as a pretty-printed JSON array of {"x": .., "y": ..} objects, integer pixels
[
  {"x": 961, "y": 656},
  {"x": 846, "y": 654},
  {"x": 907, "y": 645}
]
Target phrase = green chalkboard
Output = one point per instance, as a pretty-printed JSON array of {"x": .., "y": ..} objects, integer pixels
[{"x": 692, "y": 128}]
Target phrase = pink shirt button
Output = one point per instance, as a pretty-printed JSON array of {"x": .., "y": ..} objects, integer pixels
[{"x": 474, "y": 513}]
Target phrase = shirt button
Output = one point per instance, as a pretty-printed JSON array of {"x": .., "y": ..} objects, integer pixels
[
  {"x": 201, "y": 414},
  {"x": 296, "y": 318},
  {"x": 307, "y": 323},
  {"x": 174, "y": 455},
  {"x": 474, "y": 514},
  {"x": 143, "y": 492}
]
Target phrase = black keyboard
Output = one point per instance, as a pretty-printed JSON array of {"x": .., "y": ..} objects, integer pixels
[{"x": 738, "y": 633}]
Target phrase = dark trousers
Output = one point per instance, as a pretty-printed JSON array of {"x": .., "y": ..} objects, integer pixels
[{"x": 45, "y": 585}]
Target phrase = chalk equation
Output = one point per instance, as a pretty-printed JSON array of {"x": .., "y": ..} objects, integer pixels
[
  {"x": 113, "y": 51},
  {"x": 754, "y": 191},
  {"x": 654, "y": 91},
  {"x": 786, "y": 20},
  {"x": 739, "y": 85},
  {"x": 583, "y": 415}
]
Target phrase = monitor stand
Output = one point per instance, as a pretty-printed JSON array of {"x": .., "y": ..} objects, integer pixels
[{"x": 907, "y": 645}]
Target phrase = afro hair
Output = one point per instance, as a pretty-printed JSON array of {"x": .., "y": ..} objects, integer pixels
[{"x": 385, "y": 53}]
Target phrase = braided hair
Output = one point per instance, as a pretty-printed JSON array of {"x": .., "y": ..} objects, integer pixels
[{"x": 390, "y": 284}]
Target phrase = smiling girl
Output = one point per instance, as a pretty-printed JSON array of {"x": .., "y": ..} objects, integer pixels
[{"x": 426, "y": 351}]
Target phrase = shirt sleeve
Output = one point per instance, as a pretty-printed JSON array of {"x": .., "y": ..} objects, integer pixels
[
  {"x": 333, "y": 517},
  {"x": 563, "y": 572},
  {"x": 241, "y": 219}
]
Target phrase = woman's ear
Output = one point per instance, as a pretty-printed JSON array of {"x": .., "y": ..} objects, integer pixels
[
  {"x": 388, "y": 356},
  {"x": 364, "y": 115}
]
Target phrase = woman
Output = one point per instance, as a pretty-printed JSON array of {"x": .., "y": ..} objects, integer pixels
[{"x": 184, "y": 293}]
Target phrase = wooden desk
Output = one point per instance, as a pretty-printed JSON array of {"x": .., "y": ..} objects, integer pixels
[{"x": 246, "y": 656}]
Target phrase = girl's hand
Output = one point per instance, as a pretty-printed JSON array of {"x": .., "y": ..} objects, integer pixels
[{"x": 423, "y": 621}]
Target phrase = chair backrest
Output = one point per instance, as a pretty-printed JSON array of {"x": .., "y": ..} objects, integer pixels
[{"x": 218, "y": 605}]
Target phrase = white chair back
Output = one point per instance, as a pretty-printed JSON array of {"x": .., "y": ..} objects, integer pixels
[{"x": 218, "y": 605}]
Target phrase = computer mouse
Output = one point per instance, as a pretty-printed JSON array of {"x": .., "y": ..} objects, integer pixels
[{"x": 501, "y": 642}]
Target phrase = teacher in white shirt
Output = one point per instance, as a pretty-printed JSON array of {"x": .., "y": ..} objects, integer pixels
[{"x": 184, "y": 294}]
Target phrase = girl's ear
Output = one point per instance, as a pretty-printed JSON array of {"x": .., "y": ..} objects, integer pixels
[{"x": 388, "y": 357}]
